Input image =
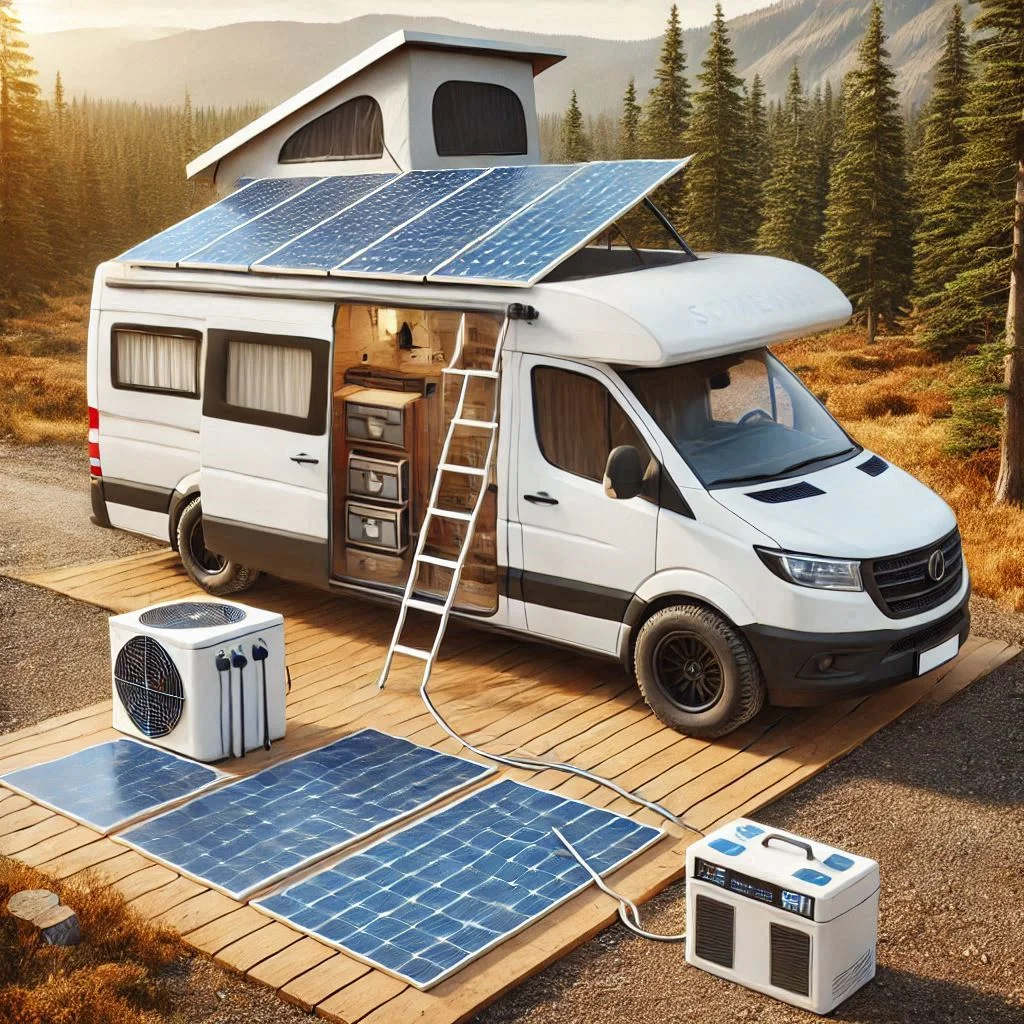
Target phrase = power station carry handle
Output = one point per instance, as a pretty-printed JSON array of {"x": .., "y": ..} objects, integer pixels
[{"x": 806, "y": 847}]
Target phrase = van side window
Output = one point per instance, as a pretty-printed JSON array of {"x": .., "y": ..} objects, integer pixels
[
  {"x": 478, "y": 119},
  {"x": 269, "y": 380},
  {"x": 578, "y": 423},
  {"x": 352, "y": 131},
  {"x": 152, "y": 359}
]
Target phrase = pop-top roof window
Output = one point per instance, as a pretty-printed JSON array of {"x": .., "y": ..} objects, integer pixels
[
  {"x": 478, "y": 119},
  {"x": 352, "y": 131}
]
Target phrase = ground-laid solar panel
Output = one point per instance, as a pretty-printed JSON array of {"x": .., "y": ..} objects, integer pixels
[
  {"x": 112, "y": 784},
  {"x": 190, "y": 235},
  {"x": 258, "y": 830},
  {"x": 279, "y": 225},
  {"x": 424, "y": 902},
  {"x": 535, "y": 241},
  {"x": 444, "y": 230},
  {"x": 347, "y": 234}
]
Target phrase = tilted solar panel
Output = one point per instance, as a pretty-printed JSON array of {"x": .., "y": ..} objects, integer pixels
[
  {"x": 546, "y": 233},
  {"x": 351, "y": 231},
  {"x": 190, "y": 235},
  {"x": 444, "y": 230},
  {"x": 279, "y": 225}
]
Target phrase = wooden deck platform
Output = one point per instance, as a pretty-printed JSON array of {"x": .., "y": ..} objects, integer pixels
[{"x": 503, "y": 694}]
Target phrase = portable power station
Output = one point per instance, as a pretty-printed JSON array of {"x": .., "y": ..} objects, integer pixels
[{"x": 770, "y": 910}]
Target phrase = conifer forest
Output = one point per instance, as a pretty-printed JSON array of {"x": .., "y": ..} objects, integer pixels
[{"x": 916, "y": 213}]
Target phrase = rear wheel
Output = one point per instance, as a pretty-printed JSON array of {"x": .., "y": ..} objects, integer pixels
[
  {"x": 696, "y": 671},
  {"x": 214, "y": 573}
]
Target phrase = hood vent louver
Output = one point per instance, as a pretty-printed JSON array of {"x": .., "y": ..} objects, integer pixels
[
  {"x": 792, "y": 492},
  {"x": 874, "y": 466}
]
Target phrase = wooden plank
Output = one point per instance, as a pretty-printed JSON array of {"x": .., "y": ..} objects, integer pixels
[
  {"x": 247, "y": 952},
  {"x": 982, "y": 662},
  {"x": 213, "y": 937},
  {"x": 365, "y": 994},
  {"x": 291, "y": 962},
  {"x": 148, "y": 880},
  {"x": 110, "y": 871},
  {"x": 200, "y": 910},
  {"x": 82, "y": 859},
  {"x": 28, "y": 814},
  {"x": 55, "y": 846},
  {"x": 316, "y": 985},
  {"x": 11, "y": 845},
  {"x": 156, "y": 902}
]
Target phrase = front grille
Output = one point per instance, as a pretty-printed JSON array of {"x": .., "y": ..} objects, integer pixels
[
  {"x": 930, "y": 636},
  {"x": 902, "y": 586}
]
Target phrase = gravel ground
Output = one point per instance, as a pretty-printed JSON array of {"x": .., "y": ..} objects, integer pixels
[
  {"x": 52, "y": 479},
  {"x": 937, "y": 798}
]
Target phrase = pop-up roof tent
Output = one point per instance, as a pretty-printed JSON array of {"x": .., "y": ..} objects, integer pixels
[{"x": 414, "y": 100}]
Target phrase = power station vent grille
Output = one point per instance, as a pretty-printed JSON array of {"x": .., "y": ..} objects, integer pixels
[
  {"x": 846, "y": 981},
  {"x": 192, "y": 615},
  {"x": 790, "y": 959},
  {"x": 715, "y": 929},
  {"x": 149, "y": 686}
]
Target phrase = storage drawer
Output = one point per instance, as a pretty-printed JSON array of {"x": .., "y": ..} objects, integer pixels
[
  {"x": 380, "y": 479},
  {"x": 379, "y": 417},
  {"x": 377, "y": 527}
]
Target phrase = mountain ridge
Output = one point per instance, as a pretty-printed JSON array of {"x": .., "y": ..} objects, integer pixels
[{"x": 267, "y": 61}]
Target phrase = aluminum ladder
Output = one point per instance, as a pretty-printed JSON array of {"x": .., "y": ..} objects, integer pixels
[{"x": 443, "y": 609}]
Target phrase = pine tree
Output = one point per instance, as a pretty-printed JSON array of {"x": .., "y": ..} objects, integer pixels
[
  {"x": 667, "y": 112},
  {"x": 758, "y": 159},
  {"x": 24, "y": 252},
  {"x": 575, "y": 145},
  {"x": 866, "y": 248},
  {"x": 942, "y": 146},
  {"x": 629, "y": 124},
  {"x": 715, "y": 203},
  {"x": 790, "y": 229}
]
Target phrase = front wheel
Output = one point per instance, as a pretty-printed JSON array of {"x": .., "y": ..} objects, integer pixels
[
  {"x": 214, "y": 573},
  {"x": 696, "y": 671}
]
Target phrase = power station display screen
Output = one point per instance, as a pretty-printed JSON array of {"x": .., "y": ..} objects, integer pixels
[{"x": 754, "y": 888}]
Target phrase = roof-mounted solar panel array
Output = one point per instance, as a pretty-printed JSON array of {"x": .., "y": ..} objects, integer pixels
[{"x": 499, "y": 225}]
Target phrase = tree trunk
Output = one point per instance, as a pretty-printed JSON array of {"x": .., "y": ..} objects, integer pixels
[
  {"x": 1010, "y": 483},
  {"x": 872, "y": 318}
]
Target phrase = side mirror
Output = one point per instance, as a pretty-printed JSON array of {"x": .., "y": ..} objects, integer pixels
[{"x": 623, "y": 473}]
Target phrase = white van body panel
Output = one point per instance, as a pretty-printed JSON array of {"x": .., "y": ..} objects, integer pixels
[{"x": 138, "y": 520}]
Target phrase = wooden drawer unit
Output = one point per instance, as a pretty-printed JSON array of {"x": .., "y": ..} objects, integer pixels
[
  {"x": 380, "y": 418},
  {"x": 380, "y": 479},
  {"x": 377, "y": 527}
]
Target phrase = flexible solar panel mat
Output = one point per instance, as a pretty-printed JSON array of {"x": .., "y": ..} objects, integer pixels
[
  {"x": 243, "y": 246},
  {"x": 206, "y": 226},
  {"x": 549, "y": 231},
  {"x": 260, "y": 829},
  {"x": 444, "y": 230},
  {"x": 112, "y": 784},
  {"x": 425, "y": 901},
  {"x": 369, "y": 221}
]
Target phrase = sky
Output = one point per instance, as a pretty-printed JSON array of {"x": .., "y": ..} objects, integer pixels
[{"x": 615, "y": 19}]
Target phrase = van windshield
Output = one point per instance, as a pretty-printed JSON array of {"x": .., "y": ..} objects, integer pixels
[{"x": 739, "y": 419}]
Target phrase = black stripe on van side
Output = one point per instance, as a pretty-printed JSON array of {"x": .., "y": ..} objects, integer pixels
[
  {"x": 135, "y": 495},
  {"x": 567, "y": 595}
]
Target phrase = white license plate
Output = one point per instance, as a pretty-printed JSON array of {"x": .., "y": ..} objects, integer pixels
[{"x": 936, "y": 656}]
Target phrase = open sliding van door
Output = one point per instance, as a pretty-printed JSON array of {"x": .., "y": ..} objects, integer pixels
[{"x": 264, "y": 441}]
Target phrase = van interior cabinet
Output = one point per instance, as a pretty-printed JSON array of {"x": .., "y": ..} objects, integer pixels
[{"x": 391, "y": 408}]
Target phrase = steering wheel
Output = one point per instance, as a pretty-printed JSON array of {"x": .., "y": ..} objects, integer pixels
[{"x": 753, "y": 416}]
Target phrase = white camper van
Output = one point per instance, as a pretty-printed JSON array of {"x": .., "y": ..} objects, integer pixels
[{"x": 448, "y": 388}]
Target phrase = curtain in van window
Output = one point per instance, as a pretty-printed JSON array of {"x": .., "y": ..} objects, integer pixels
[
  {"x": 159, "y": 361},
  {"x": 270, "y": 378}
]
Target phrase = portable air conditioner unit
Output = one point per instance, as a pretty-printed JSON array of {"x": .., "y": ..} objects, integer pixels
[
  {"x": 781, "y": 914},
  {"x": 179, "y": 681}
]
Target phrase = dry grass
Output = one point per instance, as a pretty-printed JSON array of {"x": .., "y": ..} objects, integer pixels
[
  {"x": 893, "y": 400},
  {"x": 114, "y": 976},
  {"x": 42, "y": 373}
]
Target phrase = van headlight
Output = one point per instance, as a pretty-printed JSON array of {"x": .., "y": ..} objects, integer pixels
[{"x": 811, "y": 571}]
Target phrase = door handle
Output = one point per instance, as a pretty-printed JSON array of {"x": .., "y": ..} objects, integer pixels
[
  {"x": 540, "y": 499},
  {"x": 303, "y": 459}
]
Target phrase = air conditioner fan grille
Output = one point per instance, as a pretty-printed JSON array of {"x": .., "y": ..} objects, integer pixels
[
  {"x": 149, "y": 686},
  {"x": 192, "y": 615}
]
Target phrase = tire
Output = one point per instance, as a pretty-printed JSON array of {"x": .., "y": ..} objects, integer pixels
[
  {"x": 696, "y": 671},
  {"x": 215, "y": 574}
]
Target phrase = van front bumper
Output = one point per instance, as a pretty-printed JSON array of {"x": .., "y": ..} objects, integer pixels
[{"x": 807, "y": 669}]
